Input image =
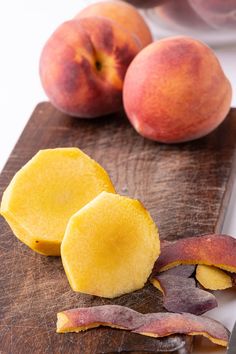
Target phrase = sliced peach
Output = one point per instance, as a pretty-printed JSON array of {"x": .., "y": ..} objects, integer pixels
[
  {"x": 110, "y": 246},
  {"x": 44, "y": 194},
  {"x": 213, "y": 278}
]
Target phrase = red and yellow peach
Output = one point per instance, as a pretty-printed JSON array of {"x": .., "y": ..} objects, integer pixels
[
  {"x": 175, "y": 90},
  {"x": 83, "y": 64}
]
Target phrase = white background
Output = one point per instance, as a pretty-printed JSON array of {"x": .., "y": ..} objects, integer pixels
[{"x": 24, "y": 27}]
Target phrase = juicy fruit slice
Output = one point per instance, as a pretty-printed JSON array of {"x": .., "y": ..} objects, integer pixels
[
  {"x": 213, "y": 278},
  {"x": 44, "y": 194},
  {"x": 181, "y": 293},
  {"x": 152, "y": 324},
  {"x": 110, "y": 246},
  {"x": 216, "y": 250}
]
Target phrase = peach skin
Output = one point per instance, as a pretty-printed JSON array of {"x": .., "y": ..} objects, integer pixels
[
  {"x": 155, "y": 325},
  {"x": 83, "y": 64},
  {"x": 124, "y": 14},
  {"x": 175, "y": 90},
  {"x": 212, "y": 250}
]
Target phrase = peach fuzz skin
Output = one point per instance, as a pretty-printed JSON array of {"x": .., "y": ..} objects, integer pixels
[
  {"x": 83, "y": 64},
  {"x": 124, "y": 14},
  {"x": 175, "y": 90}
]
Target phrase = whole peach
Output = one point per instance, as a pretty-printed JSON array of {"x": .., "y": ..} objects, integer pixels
[
  {"x": 175, "y": 90},
  {"x": 124, "y": 14},
  {"x": 83, "y": 64}
]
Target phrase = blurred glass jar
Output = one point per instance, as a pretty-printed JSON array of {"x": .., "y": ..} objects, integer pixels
[{"x": 213, "y": 21}]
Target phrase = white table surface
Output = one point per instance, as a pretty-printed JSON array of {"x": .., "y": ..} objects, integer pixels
[{"x": 24, "y": 27}]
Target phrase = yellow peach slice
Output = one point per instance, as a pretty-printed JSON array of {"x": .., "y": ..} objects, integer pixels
[
  {"x": 213, "y": 278},
  {"x": 44, "y": 194},
  {"x": 110, "y": 246}
]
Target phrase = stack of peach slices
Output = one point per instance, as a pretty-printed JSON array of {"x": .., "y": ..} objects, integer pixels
[
  {"x": 173, "y": 90},
  {"x": 63, "y": 203}
]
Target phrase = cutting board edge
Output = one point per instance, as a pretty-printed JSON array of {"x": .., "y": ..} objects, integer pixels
[
  {"x": 227, "y": 198},
  {"x": 41, "y": 103}
]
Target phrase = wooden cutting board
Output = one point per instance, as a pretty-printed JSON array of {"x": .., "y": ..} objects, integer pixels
[{"x": 186, "y": 188}]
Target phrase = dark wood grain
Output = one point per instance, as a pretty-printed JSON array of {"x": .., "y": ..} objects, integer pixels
[{"x": 186, "y": 188}]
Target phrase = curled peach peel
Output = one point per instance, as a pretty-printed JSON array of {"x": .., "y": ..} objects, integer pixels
[
  {"x": 181, "y": 293},
  {"x": 183, "y": 271},
  {"x": 164, "y": 324},
  {"x": 81, "y": 319},
  {"x": 216, "y": 250},
  {"x": 213, "y": 278},
  {"x": 153, "y": 324}
]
